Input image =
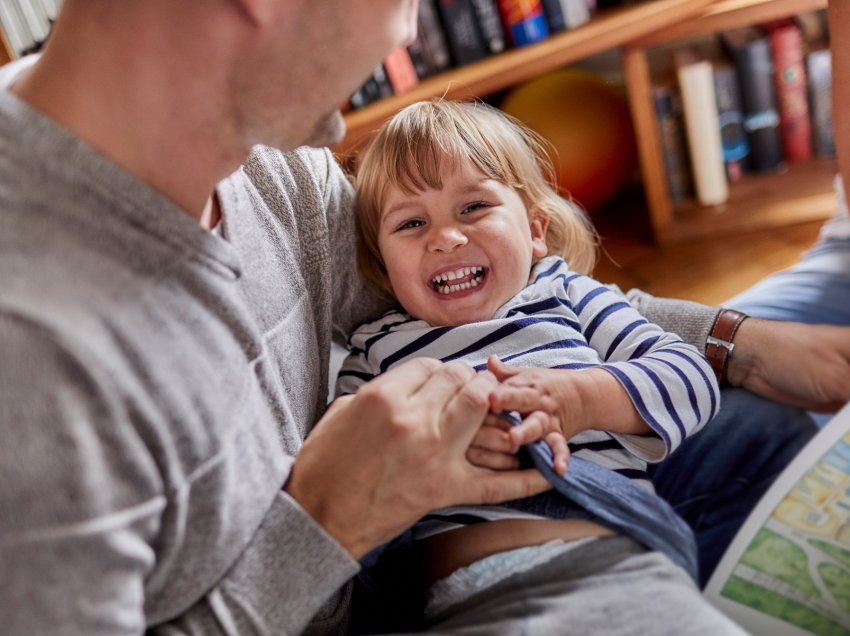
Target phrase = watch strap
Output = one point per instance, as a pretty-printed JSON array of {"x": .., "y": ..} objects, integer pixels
[{"x": 720, "y": 343}]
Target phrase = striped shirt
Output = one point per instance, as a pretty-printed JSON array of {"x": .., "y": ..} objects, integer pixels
[{"x": 564, "y": 320}]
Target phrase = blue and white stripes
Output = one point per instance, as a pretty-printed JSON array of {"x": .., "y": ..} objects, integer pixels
[{"x": 564, "y": 320}]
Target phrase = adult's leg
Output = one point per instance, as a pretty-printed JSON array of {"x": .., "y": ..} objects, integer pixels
[
  {"x": 716, "y": 478},
  {"x": 815, "y": 290},
  {"x": 611, "y": 586}
]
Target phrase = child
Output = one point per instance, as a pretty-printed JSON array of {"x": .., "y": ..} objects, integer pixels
[{"x": 459, "y": 222}]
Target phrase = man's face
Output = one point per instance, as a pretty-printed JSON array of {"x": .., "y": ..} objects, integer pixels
[{"x": 320, "y": 52}]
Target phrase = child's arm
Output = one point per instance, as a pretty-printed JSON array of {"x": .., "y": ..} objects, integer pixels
[{"x": 668, "y": 384}]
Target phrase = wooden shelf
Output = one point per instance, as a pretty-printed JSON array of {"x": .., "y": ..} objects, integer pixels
[
  {"x": 801, "y": 193},
  {"x": 729, "y": 14},
  {"x": 608, "y": 30}
]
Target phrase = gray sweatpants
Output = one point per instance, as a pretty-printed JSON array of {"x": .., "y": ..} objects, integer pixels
[{"x": 611, "y": 586}]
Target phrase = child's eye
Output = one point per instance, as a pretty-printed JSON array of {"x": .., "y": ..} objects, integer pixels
[
  {"x": 477, "y": 205},
  {"x": 410, "y": 224}
]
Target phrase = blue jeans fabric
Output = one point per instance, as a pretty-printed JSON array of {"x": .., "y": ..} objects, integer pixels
[
  {"x": 815, "y": 290},
  {"x": 618, "y": 503},
  {"x": 718, "y": 476}
]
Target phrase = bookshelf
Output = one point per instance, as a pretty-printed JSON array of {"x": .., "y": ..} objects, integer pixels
[
  {"x": 608, "y": 29},
  {"x": 801, "y": 192}
]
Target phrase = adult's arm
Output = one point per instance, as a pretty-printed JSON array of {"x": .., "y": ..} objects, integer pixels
[{"x": 789, "y": 362}]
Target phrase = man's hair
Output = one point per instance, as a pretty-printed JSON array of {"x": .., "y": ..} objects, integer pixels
[{"x": 410, "y": 150}]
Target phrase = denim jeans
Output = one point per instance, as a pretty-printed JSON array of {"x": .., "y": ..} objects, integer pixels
[
  {"x": 815, "y": 290},
  {"x": 716, "y": 478}
]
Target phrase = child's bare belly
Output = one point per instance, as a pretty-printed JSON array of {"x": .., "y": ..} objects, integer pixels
[{"x": 446, "y": 552}]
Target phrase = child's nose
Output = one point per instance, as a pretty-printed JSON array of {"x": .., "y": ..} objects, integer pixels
[{"x": 446, "y": 239}]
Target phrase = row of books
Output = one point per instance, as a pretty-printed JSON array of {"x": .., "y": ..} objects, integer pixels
[
  {"x": 454, "y": 33},
  {"x": 26, "y": 23},
  {"x": 764, "y": 104}
]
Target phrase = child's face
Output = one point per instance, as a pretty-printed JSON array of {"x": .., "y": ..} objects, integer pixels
[{"x": 457, "y": 254}]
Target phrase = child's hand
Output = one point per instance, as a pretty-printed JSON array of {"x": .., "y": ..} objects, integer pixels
[
  {"x": 551, "y": 391},
  {"x": 497, "y": 442}
]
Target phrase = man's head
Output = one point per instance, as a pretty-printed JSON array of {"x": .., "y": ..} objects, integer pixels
[{"x": 271, "y": 72}]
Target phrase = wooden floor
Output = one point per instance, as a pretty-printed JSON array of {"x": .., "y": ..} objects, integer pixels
[{"x": 707, "y": 271}]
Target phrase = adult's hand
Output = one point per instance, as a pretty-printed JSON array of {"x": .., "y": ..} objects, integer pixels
[
  {"x": 794, "y": 363},
  {"x": 382, "y": 458}
]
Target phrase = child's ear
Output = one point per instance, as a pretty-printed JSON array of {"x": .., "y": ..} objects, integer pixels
[{"x": 538, "y": 222}]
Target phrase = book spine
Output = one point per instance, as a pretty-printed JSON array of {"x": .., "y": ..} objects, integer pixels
[
  {"x": 758, "y": 95},
  {"x": 376, "y": 87},
  {"x": 462, "y": 32},
  {"x": 576, "y": 12},
  {"x": 819, "y": 67},
  {"x": 789, "y": 74},
  {"x": 696, "y": 84},
  {"x": 674, "y": 143},
  {"x": 419, "y": 58},
  {"x": 490, "y": 24},
  {"x": 731, "y": 121},
  {"x": 554, "y": 15},
  {"x": 435, "y": 48},
  {"x": 400, "y": 70},
  {"x": 524, "y": 21}
]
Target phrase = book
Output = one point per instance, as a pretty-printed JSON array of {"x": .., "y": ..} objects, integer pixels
[
  {"x": 376, "y": 87},
  {"x": 400, "y": 71},
  {"x": 435, "y": 48},
  {"x": 460, "y": 23},
  {"x": 419, "y": 58},
  {"x": 819, "y": 67},
  {"x": 786, "y": 571},
  {"x": 487, "y": 12},
  {"x": 562, "y": 15},
  {"x": 674, "y": 143},
  {"x": 524, "y": 21},
  {"x": 789, "y": 74},
  {"x": 696, "y": 85},
  {"x": 731, "y": 121},
  {"x": 750, "y": 50}
]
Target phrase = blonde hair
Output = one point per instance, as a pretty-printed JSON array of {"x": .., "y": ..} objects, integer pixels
[{"x": 408, "y": 153}]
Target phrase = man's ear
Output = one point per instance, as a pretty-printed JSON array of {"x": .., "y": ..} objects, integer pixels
[{"x": 538, "y": 223}]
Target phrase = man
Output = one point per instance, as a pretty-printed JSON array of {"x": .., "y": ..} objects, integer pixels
[
  {"x": 159, "y": 378},
  {"x": 165, "y": 315}
]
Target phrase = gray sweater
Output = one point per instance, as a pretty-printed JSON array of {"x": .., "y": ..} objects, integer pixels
[{"x": 156, "y": 382}]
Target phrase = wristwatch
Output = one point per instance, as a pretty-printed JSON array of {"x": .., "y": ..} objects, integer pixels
[{"x": 720, "y": 342}]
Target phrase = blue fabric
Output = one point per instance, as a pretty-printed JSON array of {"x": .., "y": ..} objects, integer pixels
[
  {"x": 717, "y": 476},
  {"x": 616, "y": 502},
  {"x": 815, "y": 290}
]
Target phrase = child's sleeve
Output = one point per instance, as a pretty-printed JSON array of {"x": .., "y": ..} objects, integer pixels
[
  {"x": 669, "y": 382},
  {"x": 354, "y": 372}
]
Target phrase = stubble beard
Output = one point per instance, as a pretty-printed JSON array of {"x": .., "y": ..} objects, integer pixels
[{"x": 328, "y": 130}]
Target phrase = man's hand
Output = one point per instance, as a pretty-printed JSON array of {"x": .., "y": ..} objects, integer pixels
[
  {"x": 381, "y": 459},
  {"x": 794, "y": 363}
]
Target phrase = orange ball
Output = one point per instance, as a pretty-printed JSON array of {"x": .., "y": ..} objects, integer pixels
[{"x": 589, "y": 126}]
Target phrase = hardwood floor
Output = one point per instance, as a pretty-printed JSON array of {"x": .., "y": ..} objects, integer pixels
[{"x": 707, "y": 271}]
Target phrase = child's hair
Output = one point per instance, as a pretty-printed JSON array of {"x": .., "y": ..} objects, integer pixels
[{"x": 409, "y": 150}]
